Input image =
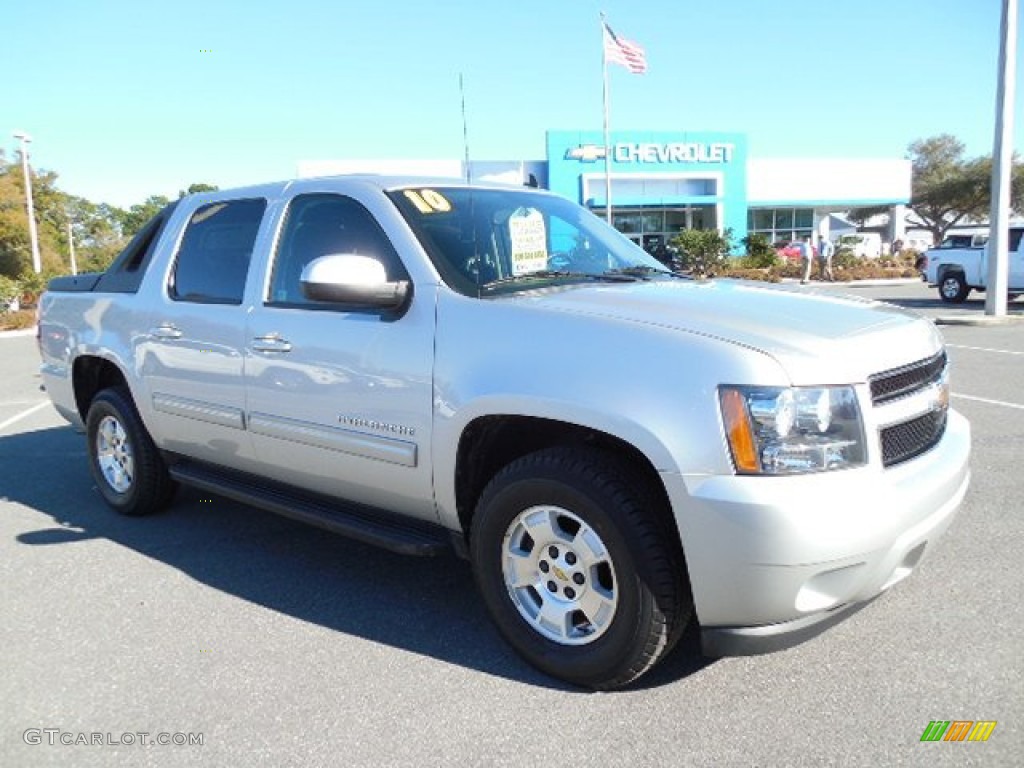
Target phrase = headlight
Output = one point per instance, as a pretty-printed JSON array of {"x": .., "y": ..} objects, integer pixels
[{"x": 790, "y": 430}]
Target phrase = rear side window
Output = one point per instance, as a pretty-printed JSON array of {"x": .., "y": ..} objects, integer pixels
[
  {"x": 125, "y": 274},
  {"x": 213, "y": 259}
]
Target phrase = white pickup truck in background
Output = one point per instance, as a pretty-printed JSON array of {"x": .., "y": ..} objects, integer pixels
[{"x": 957, "y": 270}]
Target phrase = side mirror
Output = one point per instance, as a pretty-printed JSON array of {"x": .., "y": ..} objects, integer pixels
[{"x": 360, "y": 281}]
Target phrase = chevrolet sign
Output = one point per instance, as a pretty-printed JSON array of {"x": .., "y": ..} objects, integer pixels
[{"x": 674, "y": 152}]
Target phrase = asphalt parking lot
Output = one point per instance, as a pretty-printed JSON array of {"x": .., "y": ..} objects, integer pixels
[{"x": 283, "y": 645}]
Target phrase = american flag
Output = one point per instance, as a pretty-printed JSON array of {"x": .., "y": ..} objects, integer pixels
[{"x": 619, "y": 50}]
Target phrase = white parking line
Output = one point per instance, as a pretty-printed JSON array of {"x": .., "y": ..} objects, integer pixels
[
  {"x": 37, "y": 407},
  {"x": 1003, "y": 403},
  {"x": 985, "y": 349}
]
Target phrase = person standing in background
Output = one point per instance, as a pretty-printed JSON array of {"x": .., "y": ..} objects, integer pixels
[
  {"x": 807, "y": 257},
  {"x": 825, "y": 251}
]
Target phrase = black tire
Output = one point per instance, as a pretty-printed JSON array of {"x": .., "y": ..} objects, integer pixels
[
  {"x": 128, "y": 469},
  {"x": 641, "y": 579},
  {"x": 953, "y": 288}
]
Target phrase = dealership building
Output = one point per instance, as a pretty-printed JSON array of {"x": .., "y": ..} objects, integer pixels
[{"x": 664, "y": 181}]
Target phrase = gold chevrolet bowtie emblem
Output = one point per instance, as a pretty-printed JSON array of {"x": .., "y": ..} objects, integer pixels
[{"x": 559, "y": 573}]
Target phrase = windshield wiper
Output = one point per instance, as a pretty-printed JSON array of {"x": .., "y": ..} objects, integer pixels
[
  {"x": 547, "y": 274},
  {"x": 642, "y": 271}
]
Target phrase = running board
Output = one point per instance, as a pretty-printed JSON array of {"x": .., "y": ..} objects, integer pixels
[{"x": 406, "y": 536}]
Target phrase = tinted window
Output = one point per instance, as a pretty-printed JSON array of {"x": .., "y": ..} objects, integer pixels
[
  {"x": 320, "y": 224},
  {"x": 213, "y": 259},
  {"x": 1015, "y": 235},
  {"x": 956, "y": 241}
]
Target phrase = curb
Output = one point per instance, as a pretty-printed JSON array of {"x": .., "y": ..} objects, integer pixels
[
  {"x": 877, "y": 281},
  {"x": 979, "y": 320},
  {"x": 20, "y": 332},
  {"x": 852, "y": 283}
]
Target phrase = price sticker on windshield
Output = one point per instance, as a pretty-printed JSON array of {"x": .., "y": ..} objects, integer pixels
[{"x": 529, "y": 242}]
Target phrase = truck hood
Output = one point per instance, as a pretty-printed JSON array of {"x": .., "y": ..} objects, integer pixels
[{"x": 818, "y": 338}]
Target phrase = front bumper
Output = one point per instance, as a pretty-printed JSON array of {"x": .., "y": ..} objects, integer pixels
[
  {"x": 774, "y": 561},
  {"x": 749, "y": 641}
]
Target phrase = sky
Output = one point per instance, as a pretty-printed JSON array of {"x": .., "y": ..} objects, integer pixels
[{"x": 125, "y": 100}]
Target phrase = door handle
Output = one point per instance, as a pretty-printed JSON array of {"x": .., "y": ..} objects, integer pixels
[
  {"x": 271, "y": 343},
  {"x": 165, "y": 331}
]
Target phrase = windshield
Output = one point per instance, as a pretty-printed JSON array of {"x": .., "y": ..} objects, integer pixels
[{"x": 496, "y": 241}]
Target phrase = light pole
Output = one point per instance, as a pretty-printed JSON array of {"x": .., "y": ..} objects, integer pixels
[
  {"x": 1002, "y": 164},
  {"x": 37, "y": 265},
  {"x": 71, "y": 242}
]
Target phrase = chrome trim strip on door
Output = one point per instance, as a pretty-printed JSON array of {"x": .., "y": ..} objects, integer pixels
[
  {"x": 362, "y": 444},
  {"x": 201, "y": 411}
]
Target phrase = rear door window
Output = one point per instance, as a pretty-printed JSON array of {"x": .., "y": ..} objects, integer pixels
[{"x": 213, "y": 258}]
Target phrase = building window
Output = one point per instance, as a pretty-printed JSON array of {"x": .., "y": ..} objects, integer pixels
[
  {"x": 654, "y": 228},
  {"x": 781, "y": 225},
  {"x": 761, "y": 221}
]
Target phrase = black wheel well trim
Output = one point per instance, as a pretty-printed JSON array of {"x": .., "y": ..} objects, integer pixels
[
  {"x": 90, "y": 375},
  {"x": 489, "y": 443}
]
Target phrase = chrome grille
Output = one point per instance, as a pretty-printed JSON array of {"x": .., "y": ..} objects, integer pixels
[
  {"x": 897, "y": 382},
  {"x": 902, "y": 442}
]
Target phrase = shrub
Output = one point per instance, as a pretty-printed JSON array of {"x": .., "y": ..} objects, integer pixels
[
  {"x": 789, "y": 269},
  {"x": 33, "y": 284},
  {"x": 908, "y": 257},
  {"x": 764, "y": 275},
  {"x": 10, "y": 291},
  {"x": 14, "y": 321},
  {"x": 760, "y": 253},
  {"x": 853, "y": 268},
  {"x": 703, "y": 252},
  {"x": 844, "y": 259}
]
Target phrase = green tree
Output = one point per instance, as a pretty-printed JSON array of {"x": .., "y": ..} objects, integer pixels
[
  {"x": 195, "y": 189},
  {"x": 949, "y": 189},
  {"x": 97, "y": 232},
  {"x": 704, "y": 252},
  {"x": 15, "y": 247},
  {"x": 136, "y": 217},
  {"x": 96, "y": 228}
]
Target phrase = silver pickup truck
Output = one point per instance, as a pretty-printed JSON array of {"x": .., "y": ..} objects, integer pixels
[{"x": 620, "y": 451}]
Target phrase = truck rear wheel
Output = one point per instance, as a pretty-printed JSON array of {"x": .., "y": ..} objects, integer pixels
[
  {"x": 128, "y": 469},
  {"x": 953, "y": 289},
  {"x": 576, "y": 570}
]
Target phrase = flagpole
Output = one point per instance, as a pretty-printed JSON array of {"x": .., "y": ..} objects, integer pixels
[{"x": 607, "y": 142}]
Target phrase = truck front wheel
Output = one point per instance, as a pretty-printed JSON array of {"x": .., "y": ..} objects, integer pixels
[
  {"x": 576, "y": 570},
  {"x": 127, "y": 467},
  {"x": 953, "y": 288}
]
